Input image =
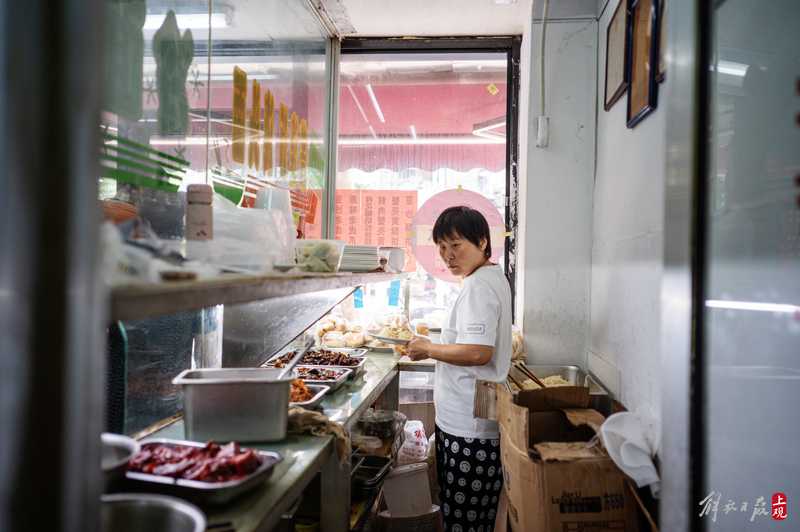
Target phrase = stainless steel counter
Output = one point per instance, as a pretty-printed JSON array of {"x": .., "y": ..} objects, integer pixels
[{"x": 305, "y": 456}]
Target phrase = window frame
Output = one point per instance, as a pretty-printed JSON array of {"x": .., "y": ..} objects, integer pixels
[{"x": 404, "y": 45}]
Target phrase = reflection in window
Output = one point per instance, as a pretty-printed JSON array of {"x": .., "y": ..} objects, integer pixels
[{"x": 411, "y": 126}]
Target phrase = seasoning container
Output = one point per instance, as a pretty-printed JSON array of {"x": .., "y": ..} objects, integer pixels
[{"x": 199, "y": 212}]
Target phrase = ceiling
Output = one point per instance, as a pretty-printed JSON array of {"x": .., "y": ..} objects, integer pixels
[{"x": 382, "y": 18}]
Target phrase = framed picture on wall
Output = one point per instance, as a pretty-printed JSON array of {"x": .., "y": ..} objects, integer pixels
[
  {"x": 662, "y": 41},
  {"x": 642, "y": 63},
  {"x": 616, "y": 80}
]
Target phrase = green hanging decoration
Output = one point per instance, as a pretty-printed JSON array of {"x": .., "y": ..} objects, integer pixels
[
  {"x": 124, "y": 52},
  {"x": 173, "y": 55}
]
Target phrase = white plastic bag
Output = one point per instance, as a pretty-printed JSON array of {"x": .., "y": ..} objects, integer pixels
[
  {"x": 415, "y": 444},
  {"x": 251, "y": 240}
]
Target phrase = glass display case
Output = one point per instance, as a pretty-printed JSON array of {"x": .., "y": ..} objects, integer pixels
[{"x": 228, "y": 93}]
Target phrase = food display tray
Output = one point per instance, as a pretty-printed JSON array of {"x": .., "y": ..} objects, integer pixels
[
  {"x": 209, "y": 493},
  {"x": 319, "y": 393},
  {"x": 334, "y": 384},
  {"x": 358, "y": 368}
]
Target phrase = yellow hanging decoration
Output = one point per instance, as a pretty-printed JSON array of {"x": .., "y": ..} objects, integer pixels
[
  {"x": 239, "y": 113},
  {"x": 283, "y": 139},
  {"x": 303, "y": 163},
  {"x": 269, "y": 129},
  {"x": 253, "y": 134},
  {"x": 294, "y": 122}
]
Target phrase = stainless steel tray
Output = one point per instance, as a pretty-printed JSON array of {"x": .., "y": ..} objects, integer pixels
[
  {"x": 332, "y": 384},
  {"x": 315, "y": 401},
  {"x": 575, "y": 375},
  {"x": 234, "y": 404},
  {"x": 599, "y": 396},
  {"x": 356, "y": 369},
  {"x": 212, "y": 493},
  {"x": 352, "y": 351}
]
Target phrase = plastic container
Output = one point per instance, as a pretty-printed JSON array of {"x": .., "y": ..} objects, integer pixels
[
  {"x": 321, "y": 256},
  {"x": 199, "y": 212},
  {"x": 378, "y": 423},
  {"x": 407, "y": 491}
]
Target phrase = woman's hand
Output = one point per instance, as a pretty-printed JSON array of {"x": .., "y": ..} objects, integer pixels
[{"x": 419, "y": 348}]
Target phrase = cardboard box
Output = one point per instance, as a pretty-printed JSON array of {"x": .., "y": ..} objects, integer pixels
[{"x": 553, "y": 480}]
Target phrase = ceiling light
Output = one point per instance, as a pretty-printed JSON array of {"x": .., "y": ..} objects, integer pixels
[
  {"x": 375, "y": 104},
  {"x": 358, "y": 104},
  {"x": 731, "y": 68},
  {"x": 490, "y": 128},
  {"x": 372, "y": 132},
  {"x": 413, "y": 131},
  {"x": 194, "y": 21},
  {"x": 753, "y": 305},
  {"x": 504, "y": 2}
]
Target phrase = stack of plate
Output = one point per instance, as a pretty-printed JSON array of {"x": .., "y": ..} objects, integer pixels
[{"x": 359, "y": 259}]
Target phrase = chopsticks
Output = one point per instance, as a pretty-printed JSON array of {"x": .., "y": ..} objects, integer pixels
[{"x": 522, "y": 368}]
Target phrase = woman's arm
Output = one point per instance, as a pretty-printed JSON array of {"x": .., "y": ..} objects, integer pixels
[{"x": 457, "y": 354}]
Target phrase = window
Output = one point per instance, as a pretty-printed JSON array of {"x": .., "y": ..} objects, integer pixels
[{"x": 420, "y": 130}]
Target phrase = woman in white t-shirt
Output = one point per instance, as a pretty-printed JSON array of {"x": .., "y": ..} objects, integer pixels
[{"x": 475, "y": 344}]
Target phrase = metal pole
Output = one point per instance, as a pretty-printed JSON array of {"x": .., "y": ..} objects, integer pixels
[{"x": 51, "y": 305}]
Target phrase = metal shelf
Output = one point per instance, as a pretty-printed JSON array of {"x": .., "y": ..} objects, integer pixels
[{"x": 139, "y": 301}]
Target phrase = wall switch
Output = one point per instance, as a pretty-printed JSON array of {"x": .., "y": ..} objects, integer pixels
[{"x": 542, "y": 131}]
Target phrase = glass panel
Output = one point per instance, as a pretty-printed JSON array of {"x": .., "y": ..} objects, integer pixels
[
  {"x": 411, "y": 126},
  {"x": 187, "y": 83},
  {"x": 154, "y": 106},
  {"x": 273, "y": 55},
  {"x": 752, "y": 314}
]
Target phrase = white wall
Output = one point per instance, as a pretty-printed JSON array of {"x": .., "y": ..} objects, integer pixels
[
  {"x": 557, "y": 196},
  {"x": 627, "y": 248}
]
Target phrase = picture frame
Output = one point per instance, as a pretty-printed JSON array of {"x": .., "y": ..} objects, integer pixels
[
  {"x": 616, "y": 81},
  {"x": 642, "y": 65},
  {"x": 662, "y": 41}
]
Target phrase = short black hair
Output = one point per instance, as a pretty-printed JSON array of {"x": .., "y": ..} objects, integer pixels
[{"x": 466, "y": 223}]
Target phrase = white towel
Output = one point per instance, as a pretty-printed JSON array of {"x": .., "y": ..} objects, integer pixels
[{"x": 632, "y": 440}]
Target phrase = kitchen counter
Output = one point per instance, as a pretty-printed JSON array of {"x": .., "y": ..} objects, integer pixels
[{"x": 305, "y": 456}]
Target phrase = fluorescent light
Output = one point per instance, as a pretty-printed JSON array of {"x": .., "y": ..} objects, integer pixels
[
  {"x": 358, "y": 104},
  {"x": 194, "y": 21},
  {"x": 753, "y": 305},
  {"x": 375, "y": 104},
  {"x": 731, "y": 68},
  {"x": 372, "y": 132},
  {"x": 413, "y": 131}
]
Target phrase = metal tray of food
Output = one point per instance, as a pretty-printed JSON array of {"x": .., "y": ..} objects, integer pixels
[
  {"x": 200, "y": 492},
  {"x": 572, "y": 374},
  {"x": 376, "y": 348},
  {"x": 357, "y": 368},
  {"x": 319, "y": 392},
  {"x": 352, "y": 351},
  {"x": 342, "y": 374}
]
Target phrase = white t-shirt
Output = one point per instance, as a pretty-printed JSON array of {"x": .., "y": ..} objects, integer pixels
[{"x": 481, "y": 315}]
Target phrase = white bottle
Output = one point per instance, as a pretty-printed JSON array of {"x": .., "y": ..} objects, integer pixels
[{"x": 199, "y": 213}]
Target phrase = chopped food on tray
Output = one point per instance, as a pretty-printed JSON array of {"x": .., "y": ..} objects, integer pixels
[
  {"x": 318, "y": 374},
  {"x": 212, "y": 463},
  {"x": 318, "y": 357},
  {"x": 551, "y": 381},
  {"x": 400, "y": 333},
  {"x": 300, "y": 392}
]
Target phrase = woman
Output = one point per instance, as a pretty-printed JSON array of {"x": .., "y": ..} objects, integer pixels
[{"x": 475, "y": 344}]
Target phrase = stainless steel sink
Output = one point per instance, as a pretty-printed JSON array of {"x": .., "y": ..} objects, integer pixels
[
  {"x": 600, "y": 398},
  {"x": 134, "y": 512}
]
